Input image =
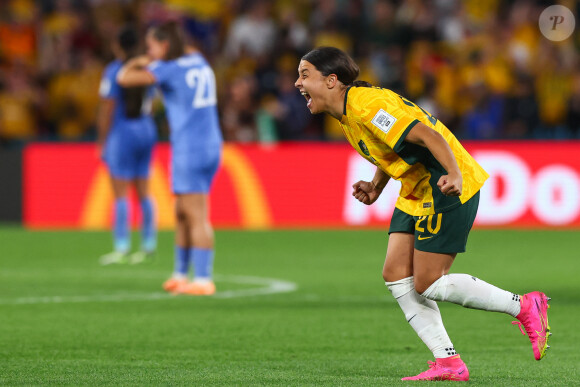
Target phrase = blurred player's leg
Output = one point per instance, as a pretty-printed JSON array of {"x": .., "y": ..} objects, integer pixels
[
  {"x": 182, "y": 248},
  {"x": 203, "y": 264},
  {"x": 179, "y": 276},
  {"x": 121, "y": 228},
  {"x": 193, "y": 174},
  {"x": 202, "y": 253},
  {"x": 149, "y": 230},
  {"x": 148, "y": 227},
  {"x": 121, "y": 236},
  {"x": 203, "y": 239},
  {"x": 194, "y": 207},
  {"x": 181, "y": 255}
]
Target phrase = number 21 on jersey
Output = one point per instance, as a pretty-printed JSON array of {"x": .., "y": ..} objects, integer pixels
[{"x": 202, "y": 80}]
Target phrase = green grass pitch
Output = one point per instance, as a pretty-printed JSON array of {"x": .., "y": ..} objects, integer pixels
[{"x": 64, "y": 320}]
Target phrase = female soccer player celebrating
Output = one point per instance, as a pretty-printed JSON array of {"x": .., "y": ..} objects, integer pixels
[
  {"x": 438, "y": 201},
  {"x": 126, "y": 136},
  {"x": 189, "y": 91}
]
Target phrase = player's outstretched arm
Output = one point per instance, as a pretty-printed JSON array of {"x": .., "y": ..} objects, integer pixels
[
  {"x": 368, "y": 192},
  {"x": 452, "y": 183},
  {"x": 133, "y": 73}
]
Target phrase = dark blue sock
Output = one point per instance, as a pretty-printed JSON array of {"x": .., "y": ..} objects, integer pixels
[
  {"x": 121, "y": 235},
  {"x": 202, "y": 262},
  {"x": 149, "y": 230},
  {"x": 182, "y": 260}
]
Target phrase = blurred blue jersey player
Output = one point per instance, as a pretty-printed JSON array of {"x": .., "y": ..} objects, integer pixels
[
  {"x": 188, "y": 86},
  {"x": 126, "y": 137}
]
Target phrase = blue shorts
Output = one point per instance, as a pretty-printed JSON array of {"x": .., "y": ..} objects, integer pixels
[
  {"x": 129, "y": 148},
  {"x": 194, "y": 171},
  {"x": 128, "y": 162}
]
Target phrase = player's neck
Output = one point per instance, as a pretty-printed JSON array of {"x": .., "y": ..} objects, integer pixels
[
  {"x": 336, "y": 104},
  {"x": 190, "y": 50}
]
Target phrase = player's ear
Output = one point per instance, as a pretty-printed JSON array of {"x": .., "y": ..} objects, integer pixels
[{"x": 331, "y": 81}]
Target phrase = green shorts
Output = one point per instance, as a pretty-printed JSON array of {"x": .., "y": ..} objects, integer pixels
[{"x": 444, "y": 233}]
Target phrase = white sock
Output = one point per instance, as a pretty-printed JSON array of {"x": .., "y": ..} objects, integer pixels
[
  {"x": 471, "y": 292},
  {"x": 423, "y": 316}
]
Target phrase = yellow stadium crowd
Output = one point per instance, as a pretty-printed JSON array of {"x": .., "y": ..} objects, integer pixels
[{"x": 482, "y": 67}]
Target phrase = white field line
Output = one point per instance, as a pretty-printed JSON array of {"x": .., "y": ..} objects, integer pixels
[{"x": 266, "y": 286}]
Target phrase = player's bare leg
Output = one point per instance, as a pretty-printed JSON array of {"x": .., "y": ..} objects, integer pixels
[
  {"x": 202, "y": 233},
  {"x": 399, "y": 259},
  {"x": 183, "y": 243},
  {"x": 194, "y": 210}
]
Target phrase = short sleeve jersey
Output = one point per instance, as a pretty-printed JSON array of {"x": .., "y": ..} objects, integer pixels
[
  {"x": 376, "y": 121},
  {"x": 189, "y": 93},
  {"x": 110, "y": 89}
]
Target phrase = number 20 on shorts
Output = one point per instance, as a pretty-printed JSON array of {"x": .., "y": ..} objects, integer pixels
[{"x": 429, "y": 220}]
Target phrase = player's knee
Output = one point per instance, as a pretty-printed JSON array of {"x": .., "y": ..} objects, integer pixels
[
  {"x": 421, "y": 284},
  {"x": 419, "y": 288},
  {"x": 386, "y": 276},
  {"x": 199, "y": 218},
  {"x": 393, "y": 271},
  {"x": 182, "y": 215},
  {"x": 389, "y": 275}
]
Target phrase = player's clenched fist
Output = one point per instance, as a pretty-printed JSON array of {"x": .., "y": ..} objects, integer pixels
[
  {"x": 450, "y": 185},
  {"x": 365, "y": 192}
]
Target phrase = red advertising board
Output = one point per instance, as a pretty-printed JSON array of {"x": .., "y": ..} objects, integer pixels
[{"x": 532, "y": 184}]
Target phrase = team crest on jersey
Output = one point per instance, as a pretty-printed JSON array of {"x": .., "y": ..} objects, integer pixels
[
  {"x": 383, "y": 120},
  {"x": 363, "y": 148}
]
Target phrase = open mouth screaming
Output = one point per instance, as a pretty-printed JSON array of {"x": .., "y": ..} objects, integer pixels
[{"x": 308, "y": 99}]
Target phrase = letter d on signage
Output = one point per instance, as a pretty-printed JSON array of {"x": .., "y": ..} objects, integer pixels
[{"x": 556, "y": 198}]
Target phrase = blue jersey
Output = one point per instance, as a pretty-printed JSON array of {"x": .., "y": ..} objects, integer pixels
[
  {"x": 189, "y": 92},
  {"x": 130, "y": 141}
]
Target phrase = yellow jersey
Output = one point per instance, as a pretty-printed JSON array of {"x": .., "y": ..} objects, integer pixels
[{"x": 376, "y": 121}]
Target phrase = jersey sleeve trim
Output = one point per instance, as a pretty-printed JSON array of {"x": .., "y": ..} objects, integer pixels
[
  {"x": 397, "y": 146},
  {"x": 345, "y": 97}
]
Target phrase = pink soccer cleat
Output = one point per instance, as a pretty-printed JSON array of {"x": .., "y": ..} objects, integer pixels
[
  {"x": 534, "y": 317},
  {"x": 450, "y": 368}
]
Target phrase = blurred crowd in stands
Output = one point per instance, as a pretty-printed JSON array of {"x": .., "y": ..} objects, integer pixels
[{"x": 482, "y": 67}]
